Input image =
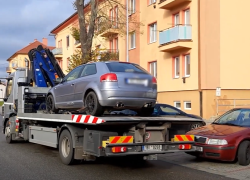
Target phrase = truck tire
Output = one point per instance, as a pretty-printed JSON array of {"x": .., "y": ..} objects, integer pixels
[
  {"x": 7, "y": 133},
  {"x": 66, "y": 149},
  {"x": 92, "y": 104},
  {"x": 244, "y": 153}
]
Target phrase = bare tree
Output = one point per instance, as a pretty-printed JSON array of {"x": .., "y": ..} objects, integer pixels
[{"x": 94, "y": 19}]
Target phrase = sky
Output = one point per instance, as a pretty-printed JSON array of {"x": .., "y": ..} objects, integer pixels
[{"x": 22, "y": 21}]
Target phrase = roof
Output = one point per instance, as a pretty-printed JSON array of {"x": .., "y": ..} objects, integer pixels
[
  {"x": 26, "y": 49},
  {"x": 68, "y": 20}
]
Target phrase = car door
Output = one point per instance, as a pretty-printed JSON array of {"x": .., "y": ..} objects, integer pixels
[
  {"x": 87, "y": 76},
  {"x": 64, "y": 92}
]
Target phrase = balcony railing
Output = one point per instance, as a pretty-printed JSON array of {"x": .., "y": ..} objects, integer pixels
[
  {"x": 107, "y": 27},
  {"x": 176, "y": 33},
  {"x": 108, "y": 54},
  {"x": 57, "y": 51}
]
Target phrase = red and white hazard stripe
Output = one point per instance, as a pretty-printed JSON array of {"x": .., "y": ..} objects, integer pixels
[
  {"x": 17, "y": 124},
  {"x": 88, "y": 119}
]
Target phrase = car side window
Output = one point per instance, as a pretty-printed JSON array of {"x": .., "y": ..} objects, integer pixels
[
  {"x": 168, "y": 110},
  {"x": 73, "y": 74},
  {"x": 232, "y": 116},
  {"x": 89, "y": 69}
]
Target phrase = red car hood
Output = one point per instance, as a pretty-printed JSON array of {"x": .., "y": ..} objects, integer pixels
[{"x": 216, "y": 130}]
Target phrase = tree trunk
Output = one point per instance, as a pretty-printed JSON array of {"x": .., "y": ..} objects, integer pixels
[{"x": 86, "y": 38}]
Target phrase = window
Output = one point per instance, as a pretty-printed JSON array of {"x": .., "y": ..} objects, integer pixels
[
  {"x": 60, "y": 44},
  {"x": 168, "y": 110},
  {"x": 68, "y": 62},
  {"x": 73, "y": 74},
  {"x": 152, "y": 1},
  {"x": 177, "y": 104},
  {"x": 116, "y": 16},
  {"x": 153, "y": 68},
  {"x": 9, "y": 88},
  {"x": 89, "y": 70},
  {"x": 152, "y": 33},
  {"x": 131, "y": 6},
  {"x": 187, "y": 17},
  {"x": 177, "y": 67},
  {"x": 60, "y": 62},
  {"x": 237, "y": 117},
  {"x": 67, "y": 41},
  {"x": 111, "y": 44},
  {"x": 125, "y": 67},
  {"x": 187, "y": 105},
  {"x": 187, "y": 65},
  {"x": 176, "y": 19},
  {"x": 132, "y": 40}
]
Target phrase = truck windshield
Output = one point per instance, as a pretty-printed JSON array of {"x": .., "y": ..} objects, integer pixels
[{"x": 9, "y": 87}]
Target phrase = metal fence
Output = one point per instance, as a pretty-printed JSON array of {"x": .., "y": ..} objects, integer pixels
[{"x": 223, "y": 105}]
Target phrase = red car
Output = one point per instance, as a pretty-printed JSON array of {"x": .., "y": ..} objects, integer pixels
[{"x": 226, "y": 139}]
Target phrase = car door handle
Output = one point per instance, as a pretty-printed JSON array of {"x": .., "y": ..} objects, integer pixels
[{"x": 72, "y": 84}]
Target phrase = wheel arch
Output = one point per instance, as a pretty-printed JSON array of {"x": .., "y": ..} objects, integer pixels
[
  {"x": 75, "y": 133},
  {"x": 238, "y": 145},
  {"x": 89, "y": 90}
]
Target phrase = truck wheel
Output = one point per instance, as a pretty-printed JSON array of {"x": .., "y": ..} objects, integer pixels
[
  {"x": 244, "y": 153},
  {"x": 92, "y": 104},
  {"x": 66, "y": 149},
  {"x": 50, "y": 105},
  {"x": 7, "y": 133}
]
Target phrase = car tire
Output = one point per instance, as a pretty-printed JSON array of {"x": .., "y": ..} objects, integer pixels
[
  {"x": 50, "y": 105},
  {"x": 244, "y": 153},
  {"x": 66, "y": 149},
  {"x": 92, "y": 104},
  {"x": 145, "y": 111}
]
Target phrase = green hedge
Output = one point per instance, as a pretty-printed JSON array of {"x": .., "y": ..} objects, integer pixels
[{"x": 1, "y": 103}]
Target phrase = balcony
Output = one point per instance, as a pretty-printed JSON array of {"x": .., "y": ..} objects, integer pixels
[
  {"x": 108, "y": 27},
  {"x": 176, "y": 38},
  {"x": 9, "y": 69},
  {"x": 78, "y": 44},
  {"x": 107, "y": 55},
  {"x": 171, "y": 4},
  {"x": 58, "y": 52}
]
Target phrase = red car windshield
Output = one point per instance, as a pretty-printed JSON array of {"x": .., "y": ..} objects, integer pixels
[{"x": 237, "y": 117}]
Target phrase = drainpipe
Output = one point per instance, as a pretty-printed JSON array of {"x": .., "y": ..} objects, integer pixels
[{"x": 199, "y": 61}]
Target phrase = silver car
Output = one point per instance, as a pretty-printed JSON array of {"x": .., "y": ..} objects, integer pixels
[{"x": 99, "y": 86}]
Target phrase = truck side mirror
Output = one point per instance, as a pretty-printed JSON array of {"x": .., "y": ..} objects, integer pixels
[
  {"x": 0, "y": 81},
  {"x": 5, "y": 99}
]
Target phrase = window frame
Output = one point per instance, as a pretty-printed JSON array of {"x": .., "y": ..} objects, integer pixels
[
  {"x": 132, "y": 7},
  {"x": 150, "y": 2},
  {"x": 133, "y": 35},
  {"x": 80, "y": 74},
  {"x": 185, "y": 65},
  {"x": 67, "y": 41},
  {"x": 175, "y": 67},
  {"x": 153, "y": 31},
  {"x": 155, "y": 68},
  {"x": 185, "y": 105},
  {"x": 175, "y": 102}
]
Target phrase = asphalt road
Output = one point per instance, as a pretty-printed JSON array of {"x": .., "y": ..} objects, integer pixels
[{"x": 24, "y": 161}]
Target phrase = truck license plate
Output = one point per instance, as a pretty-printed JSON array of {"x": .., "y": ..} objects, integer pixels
[
  {"x": 152, "y": 148},
  {"x": 197, "y": 148}
]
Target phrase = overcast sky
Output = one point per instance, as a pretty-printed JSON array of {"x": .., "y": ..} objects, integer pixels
[{"x": 22, "y": 21}]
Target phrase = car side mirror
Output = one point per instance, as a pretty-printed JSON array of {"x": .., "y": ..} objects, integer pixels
[{"x": 58, "y": 80}]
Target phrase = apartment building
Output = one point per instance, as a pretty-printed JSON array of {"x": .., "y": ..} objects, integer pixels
[
  {"x": 18, "y": 58},
  {"x": 107, "y": 41},
  {"x": 193, "y": 47}
]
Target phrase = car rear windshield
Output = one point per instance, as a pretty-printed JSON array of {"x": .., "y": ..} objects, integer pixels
[{"x": 126, "y": 67}]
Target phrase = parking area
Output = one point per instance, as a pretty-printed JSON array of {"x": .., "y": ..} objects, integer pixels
[{"x": 232, "y": 170}]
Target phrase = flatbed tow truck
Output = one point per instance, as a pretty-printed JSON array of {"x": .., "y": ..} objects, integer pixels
[{"x": 84, "y": 137}]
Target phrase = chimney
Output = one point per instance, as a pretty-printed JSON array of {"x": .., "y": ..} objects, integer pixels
[
  {"x": 35, "y": 40},
  {"x": 45, "y": 41}
]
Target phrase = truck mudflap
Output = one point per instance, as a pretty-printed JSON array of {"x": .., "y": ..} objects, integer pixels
[{"x": 123, "y": 146}]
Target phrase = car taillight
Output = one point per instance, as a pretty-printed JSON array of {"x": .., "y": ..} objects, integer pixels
[
  {"x": 109, "y": 77},
  {"x": 154, "y": 80}
]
